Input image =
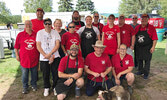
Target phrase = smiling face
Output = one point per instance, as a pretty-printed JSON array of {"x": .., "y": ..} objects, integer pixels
[
  {"x": 122, "y": 49},
  {"x": 39, "y": 14},
  {"x": 96, "y": 17},
  {"x": 57, "y": 24},
  {"x": 111, "y": 20},
  {"x": 88, "y": 20},
  {"x": 71, "y": 27},
  {"x": 98, "y": 50},
  {"x": 144, "y": 21},
  {"x": 48, "y": 25},
  {"x": 28, "y": 25}
]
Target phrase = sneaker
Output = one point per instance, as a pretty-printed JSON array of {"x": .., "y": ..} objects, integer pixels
[
  {"x": 145, "y": 77},
  {"x": 25, "y": 91},
  {"x": 77, "y": 92},
  {"x": 130, "y": 89},
  {"x": 138, "y": 73},
  {"x": 46, "y": 92},
  {"x": 34, "y": 88},
  {"x": 54, "y": 91}
]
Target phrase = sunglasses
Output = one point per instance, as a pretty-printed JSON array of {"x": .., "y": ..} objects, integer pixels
[
  {"x": 71, "y": 27},
  {"x": 134, "y": 18},
  {"x": 121, "y": 63},
  {"x": 47, "y": 23},
  {"x": 96, "y": 16}
]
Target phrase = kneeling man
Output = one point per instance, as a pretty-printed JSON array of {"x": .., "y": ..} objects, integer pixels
[{"x": 70, "y": 71}]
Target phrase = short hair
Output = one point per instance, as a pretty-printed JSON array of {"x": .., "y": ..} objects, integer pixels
[
  {"x": 123, "y": 45},
  {"x": 95, "y": 13},
  {"x": 88, "y": 16},
  {"x": 75, "y": 11},
  {"x": 69, "y": 24},
  {"x": 57, "y": 20},
  {"x": 111, "y": 15}
]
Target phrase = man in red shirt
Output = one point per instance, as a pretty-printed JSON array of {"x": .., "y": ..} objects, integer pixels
[
  {"x": 97, "y": 24},
  {"x": 69, "y": 72},
  {"x": 28, "y": 55},
  {"x": 97, "y": 66},
  {"x": 127, "y": 34},
  {"x": 37, "y": 24},
  {"x": 146, "y": 39},
  {"x": 122, "y": 67}
]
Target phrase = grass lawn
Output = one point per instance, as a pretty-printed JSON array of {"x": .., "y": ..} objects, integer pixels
[{"x": 151, "y": 89}]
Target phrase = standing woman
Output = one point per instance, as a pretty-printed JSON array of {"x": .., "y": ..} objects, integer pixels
[
  {"x": 89, "y": 34},
  {"x": 69, "y": 38},
  {"x": 111, "y": 37},
  {"x": 57, "y": 27}
]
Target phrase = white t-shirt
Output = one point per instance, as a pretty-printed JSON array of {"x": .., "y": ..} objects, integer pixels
[
  {"x": 48, "y": 41},
  {"x": 83, "y": 27}
]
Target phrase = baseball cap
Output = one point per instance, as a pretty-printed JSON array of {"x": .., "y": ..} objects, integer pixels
[
  {"x": 74, "y": 46},
  {"x": 40, "y": 9},
  {"x": 47, "y": 19},
  {"x": 121, "y": 16},
  {"x": 145, "y": 15}
]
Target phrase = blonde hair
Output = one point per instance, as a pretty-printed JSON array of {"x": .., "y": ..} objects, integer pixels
[
  {"x": 88, "y": 16},
  {"x": 57, "y": 20}
]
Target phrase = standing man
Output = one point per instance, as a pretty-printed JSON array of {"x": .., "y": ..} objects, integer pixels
[
  {"x": 70, "y": 71},
  {"x": 48, "y": 42},
  {"x": 97, "y": 24},
  {"x": 146, "y": 39},
  {"x": 37, "y": 24},
  {"x": 88, "y": 34},
  {"x": 122, "y": 67},
  {"x": 28, "y": 56},
  {"x": 97, "y": 66},
  {"x": 134, "y": 24},
  {"x": 76, "y": 20},
  {"x": 127, "y": 34}
]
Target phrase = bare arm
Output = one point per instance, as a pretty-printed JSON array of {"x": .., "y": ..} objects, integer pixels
[
  {"x": 87, "y": 70},
  {"x": 102, "y": 37},
  {"x": 40, "y": 48},
  {"x": 98, "y": 37},
  {"x": 17, "y": 54},
  {"x": 118, "y": 41},
  {"x": 57, "y": 42},
  {"x": 103, "y": 74},
  {"x": 153, "y": 47},
  {"x": 133, "y": 42}
]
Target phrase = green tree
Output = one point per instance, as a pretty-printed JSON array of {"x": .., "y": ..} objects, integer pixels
[
  {"x": 65, "y": 6},
  {"x": 128, "y": 7},
  {"x": 85, "y": 5},
  {"x": 4, "y": 13},
  {"x": 32, "y": 5},
  {"x": 163, "y": 8}
]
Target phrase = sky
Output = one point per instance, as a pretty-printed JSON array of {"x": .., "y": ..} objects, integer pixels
[{"x": 102, "y": 6}]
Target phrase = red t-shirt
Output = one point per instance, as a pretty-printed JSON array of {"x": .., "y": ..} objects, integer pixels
[
  {"x": 126, "y": 33},
  {"x": 70, "y": 38},
  {"x": 97, "y": 64},
  {"x": 151, "y": 31},
  {"x": 37, "y": 25},
  {"x": 71, "y": 64},
  {"x": 99, "y": 26},
  {"x": 110, "y": 39},
  {"x": 126, "y": 62},
  {"x": 29, "y": 55}
]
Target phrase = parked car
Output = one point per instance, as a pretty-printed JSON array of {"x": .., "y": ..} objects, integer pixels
[{"x": 150, "y": 15}]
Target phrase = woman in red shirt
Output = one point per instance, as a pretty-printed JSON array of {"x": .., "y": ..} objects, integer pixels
[{"x": 111, "y": 37}]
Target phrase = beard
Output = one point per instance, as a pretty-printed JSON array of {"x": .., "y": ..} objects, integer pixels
[
  {"x": 74, "y": 55},
  {"x": 76, "y": 18}
]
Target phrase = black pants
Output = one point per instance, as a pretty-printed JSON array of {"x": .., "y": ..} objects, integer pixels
[
  {"x": 144, "y": 66},
  {"x": 135, "y": 59},
  {"x": 46, "y": 68}
]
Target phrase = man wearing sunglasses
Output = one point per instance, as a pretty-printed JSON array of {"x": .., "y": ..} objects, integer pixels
[
  {"x": 122, "y": 67},
  {"x": 48, "y": 41}
]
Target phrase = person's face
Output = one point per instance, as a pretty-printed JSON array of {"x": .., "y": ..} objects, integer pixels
[
  {"x": 122, "y": 50},
  {"x": 28, "y": 25},
  {"x": 134, "y": 19},
  {"x": 98, "y": 50},
  {"x": 121, "y": 20},
  {"x": 74, "y": 52},
  {"x": 75, "y": 16},
  {"x": 144, "y": 21},
  {"x": 96, "y": 17},
  {"x": 111, "y": 20},
  {"x": 88, "y": 20},
  {"x": 48, "y": 25},
  {"x": 39, "y": 14},
  {"x": 58, "y": 24},
  {"x": 71, "y": 28}
]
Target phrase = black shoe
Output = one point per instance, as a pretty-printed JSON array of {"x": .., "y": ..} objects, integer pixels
[
  {"x": 130, "y": 89},
  {"x": 25, "y": 91},
  {"x": 145, "y": 77},
  {"x": 138, "y": 73}
]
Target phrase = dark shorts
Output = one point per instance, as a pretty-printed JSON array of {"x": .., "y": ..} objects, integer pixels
[
  {"x": 123, "y": 77},
  {"x": 91, "y": 87}
]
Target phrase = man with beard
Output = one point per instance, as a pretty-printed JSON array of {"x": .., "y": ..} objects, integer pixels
[
  {"x": 76, "y": 20},
  {"x": 69, "y": 72}
]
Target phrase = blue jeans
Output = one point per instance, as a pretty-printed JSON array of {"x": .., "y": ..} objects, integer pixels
[{"x": 25, "y": 76}]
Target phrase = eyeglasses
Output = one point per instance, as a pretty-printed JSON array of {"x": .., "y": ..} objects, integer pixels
[
  {"x": 71, "y": 27},
  {"x": 134, "y": 18},
  {"x": 47, "y": 23},
  {"x": 121, "y": 63},
  {"x": 96, "y": 16},
  {"x": 122, "y": 48}
]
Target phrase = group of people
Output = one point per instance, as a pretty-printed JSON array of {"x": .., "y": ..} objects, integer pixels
[{"x": 89, "y": 50}]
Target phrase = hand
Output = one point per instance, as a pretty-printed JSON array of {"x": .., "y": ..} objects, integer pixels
[
  {"x": 152, "y": 50},
  {"x": 96, "y": 74},
  {"x": 47, "y": 56},
  {"x": 68, "y": 81},
  {"x": 117, "y": 81},
  {"x": 119, "y": 75},
  {"x": 75, "y": 75},
  {"x": 18, "y": 58},
  {"x": 103, "y": 75},
  {"x": 132, "y": 47},
  {"x": 117, "y": 50},
  {"x": 51, "y": 59}
]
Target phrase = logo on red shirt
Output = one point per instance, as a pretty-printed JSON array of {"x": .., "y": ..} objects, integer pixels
[
  {"x": 109, "y": 34},
  {"x": 74, "y": 41},
  {"x": 30, "y": 44},
  {"x": 126, "y": 62},
  {"x": 103, "y": 62},
  {"x": 123, "y": 32}
]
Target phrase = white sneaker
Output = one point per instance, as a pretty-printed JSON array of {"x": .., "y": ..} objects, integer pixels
[
  {"x": 46, "y": 92},
  {"x": 54, "y": 91}
]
